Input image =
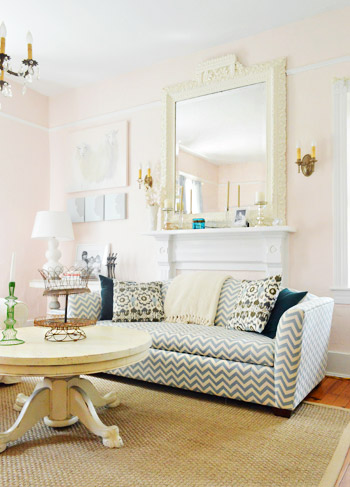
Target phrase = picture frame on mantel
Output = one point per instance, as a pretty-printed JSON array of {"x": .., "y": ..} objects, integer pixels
[{"x": 98, "y": 158}]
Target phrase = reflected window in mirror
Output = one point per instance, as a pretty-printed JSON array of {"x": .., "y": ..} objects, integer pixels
[{"x": 221, "y": 138}]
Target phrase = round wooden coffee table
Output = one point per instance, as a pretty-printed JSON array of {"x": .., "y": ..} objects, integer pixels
[{"x": 62, "y": 398}]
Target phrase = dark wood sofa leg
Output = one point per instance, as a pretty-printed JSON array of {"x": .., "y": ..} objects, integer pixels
[{"x": 284, "y": 413}]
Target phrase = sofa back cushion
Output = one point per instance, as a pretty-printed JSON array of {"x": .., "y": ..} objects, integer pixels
[
  {"x": 286, "y": 299},
  {"x": 227, "y": 300},
  {"x": 87, "y": 306}
]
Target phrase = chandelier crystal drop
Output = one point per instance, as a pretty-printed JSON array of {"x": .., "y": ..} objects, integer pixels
[{"x": 28, "y": 70}]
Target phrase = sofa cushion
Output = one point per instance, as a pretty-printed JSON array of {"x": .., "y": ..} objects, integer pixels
[
  {"x": 227, "y": 300},
  {"x": 135, "y": 302},
  {"x": 207, "y": 341},
  {"x": 255, "y": 304},
  {"x": 87, "y": 306}
]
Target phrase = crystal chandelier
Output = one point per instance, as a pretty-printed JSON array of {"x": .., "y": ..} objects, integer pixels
[{"x": 29, "y": 67}]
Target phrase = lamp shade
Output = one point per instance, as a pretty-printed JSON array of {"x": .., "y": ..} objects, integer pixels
[{"x": 49, "y": 224}]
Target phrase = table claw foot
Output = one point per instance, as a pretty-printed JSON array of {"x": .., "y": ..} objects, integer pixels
[
  {"x": 21, "y": 399},
  {"x": 111, "y": 438},
  {"x": 112, "y": 400}
]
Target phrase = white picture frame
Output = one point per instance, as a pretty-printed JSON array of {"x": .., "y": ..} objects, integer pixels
[
  {"x": 94, "y": 208},
  {"x": 76, "y": 209},
  {"x": 98, "y": 158},
  {"x": 93, "y": 256}
]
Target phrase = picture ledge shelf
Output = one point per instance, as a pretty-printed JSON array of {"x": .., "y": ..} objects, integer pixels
[{"x": 259, "y": 250}]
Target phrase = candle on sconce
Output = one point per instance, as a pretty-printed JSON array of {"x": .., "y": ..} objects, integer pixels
[
  {"x": 313, "y": 150},
  {"x": 239, "y": 196},
  {"x": 149, "y": 172},
  {"x": 298, "y": 151},
  {"x": 228, "y": 196},
  {"x": 140, "y": 172},
  {"x": 13, "y": 268}
]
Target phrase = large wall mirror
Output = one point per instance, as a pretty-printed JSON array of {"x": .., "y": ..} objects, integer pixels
[{"x": 228, "y": 126}]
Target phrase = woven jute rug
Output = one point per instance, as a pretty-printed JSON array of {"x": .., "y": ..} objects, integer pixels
[{"x": 178, "y": 438}]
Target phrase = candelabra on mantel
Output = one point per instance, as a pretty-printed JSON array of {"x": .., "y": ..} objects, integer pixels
[{"x": 28, "y": 69}]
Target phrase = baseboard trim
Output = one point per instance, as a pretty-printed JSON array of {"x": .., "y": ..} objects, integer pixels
[{"x": 338, "y": 364}]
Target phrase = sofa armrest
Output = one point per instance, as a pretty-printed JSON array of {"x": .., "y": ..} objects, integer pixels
[{"x": 301, "y": 350}]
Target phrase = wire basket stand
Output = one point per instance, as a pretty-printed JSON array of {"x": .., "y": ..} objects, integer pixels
[{"x": 64, "y": 282}]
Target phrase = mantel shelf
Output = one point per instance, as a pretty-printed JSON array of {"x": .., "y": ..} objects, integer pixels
[
  {"x": 224, "y": 231},
  {"x": 262, "y": 250}
]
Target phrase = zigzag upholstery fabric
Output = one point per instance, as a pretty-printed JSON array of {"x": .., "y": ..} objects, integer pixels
[
  {"x": 228, "y": 298},
  {"x": 246, "y": 382},
  {"x": 298, "y": 365},
  {"x": 301, "y": 350},
  {"x": 87, "y": 306},
  {"x": 208, "y": 341}
]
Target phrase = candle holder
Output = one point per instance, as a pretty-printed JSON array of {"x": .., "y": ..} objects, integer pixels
[
  {"x": 147, "y": 181},
  {"x": 261, "y": 217},
  {"x": 9, "y": 333}
]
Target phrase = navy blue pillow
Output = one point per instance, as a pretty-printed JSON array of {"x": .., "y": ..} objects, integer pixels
[
  {"x": 286, "y": 299},
  {"x": 106, "y": 297}
]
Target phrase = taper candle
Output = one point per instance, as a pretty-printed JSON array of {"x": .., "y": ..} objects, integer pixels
[
  {"x": 239, "y": 196},
  {"x": 13, "y": 268},
  {"x": 298, "y": 151},
  {"x": 140, "y": 172},
  {"x": 190, "y": 201},
  {"x": 228, "y": 196},
  {"x": 149, "y": 172},
  {"x": 181, "y": 198}
]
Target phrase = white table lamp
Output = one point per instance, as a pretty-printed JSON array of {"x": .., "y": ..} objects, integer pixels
[{"x": 53, "y": 226}]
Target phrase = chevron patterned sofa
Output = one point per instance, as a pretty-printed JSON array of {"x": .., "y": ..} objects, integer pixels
[{"x": 240, "y": 365}]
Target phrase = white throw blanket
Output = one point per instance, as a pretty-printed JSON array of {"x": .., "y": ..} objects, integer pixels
[{"x": 193, "y": 298}]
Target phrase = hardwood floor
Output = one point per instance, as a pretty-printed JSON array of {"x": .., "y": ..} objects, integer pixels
[{"x": 335, "y": 392}]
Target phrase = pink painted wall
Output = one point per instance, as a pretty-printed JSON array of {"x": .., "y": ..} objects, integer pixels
[
  {"x": 24, "y": 189},
  {"x": 309, "y": 116}
]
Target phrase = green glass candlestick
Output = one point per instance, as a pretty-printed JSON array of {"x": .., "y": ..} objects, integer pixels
[{"x": 9, "y": 333}]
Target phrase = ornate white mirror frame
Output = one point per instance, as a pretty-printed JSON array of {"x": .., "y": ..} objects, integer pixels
[{"x": 222, "y": 74}]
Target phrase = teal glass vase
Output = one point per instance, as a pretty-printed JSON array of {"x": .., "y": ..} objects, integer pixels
[{"x": 9, "y": 333}]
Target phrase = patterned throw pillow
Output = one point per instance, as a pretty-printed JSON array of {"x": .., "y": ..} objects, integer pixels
[
  {"x": 228, "y": 298},
  {"x": 255, "y": 304},
  {"x": 87, "y": 306},
  {"x": 138, "y": 302}
]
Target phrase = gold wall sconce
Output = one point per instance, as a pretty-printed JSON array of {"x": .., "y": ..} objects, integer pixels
[
  {"x": 147, "y": 181},
  {"x": 307, "y": 163}
]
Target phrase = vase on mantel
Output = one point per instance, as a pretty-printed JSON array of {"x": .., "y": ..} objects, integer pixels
[{"x": 152, "y": 217}]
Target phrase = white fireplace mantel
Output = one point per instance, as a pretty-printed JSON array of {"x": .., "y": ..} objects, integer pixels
[{"x": 257, "y": 249}]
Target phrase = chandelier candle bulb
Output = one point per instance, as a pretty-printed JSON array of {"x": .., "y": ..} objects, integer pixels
[
  {"x": 13, "y": 268},
  {"x": 30, "y": 45},
  {"x": 3, "y": 33}
]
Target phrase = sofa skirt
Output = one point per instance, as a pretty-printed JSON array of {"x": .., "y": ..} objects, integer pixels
[{"x": 235, "y": 380}]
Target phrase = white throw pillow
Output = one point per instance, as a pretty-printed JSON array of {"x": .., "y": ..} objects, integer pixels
[{"x": 255, "y": 304}]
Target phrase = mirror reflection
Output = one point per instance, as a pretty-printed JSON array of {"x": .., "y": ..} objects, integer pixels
[{"x": 221, "y": 138}]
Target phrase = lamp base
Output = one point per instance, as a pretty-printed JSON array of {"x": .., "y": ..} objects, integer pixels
[{"x": 53, "y": 255}]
